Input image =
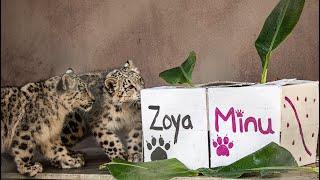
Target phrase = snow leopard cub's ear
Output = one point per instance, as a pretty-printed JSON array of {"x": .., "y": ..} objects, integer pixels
[
  {"x": 129, "y": 64},
  {"x": 110, "y": 84},
  {"x": 67, "y": 81}
]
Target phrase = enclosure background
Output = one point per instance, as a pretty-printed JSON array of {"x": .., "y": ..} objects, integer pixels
[{"x": 41, "y": 38}]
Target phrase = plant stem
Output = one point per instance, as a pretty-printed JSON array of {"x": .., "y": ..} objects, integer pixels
[
  {"x": 264, "y": 76},
  {"x": 190, "y": 84},
  {"x": 265, "y": 69}
]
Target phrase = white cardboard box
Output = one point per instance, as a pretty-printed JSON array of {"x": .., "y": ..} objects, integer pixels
[
  {"x": 211, "y": 126},
  {"x": 179, "y": 117}
]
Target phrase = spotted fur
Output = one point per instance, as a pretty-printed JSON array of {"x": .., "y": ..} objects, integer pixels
[
  {"x": 117, "y": 109},
  {"x": 33, "y": 116}
]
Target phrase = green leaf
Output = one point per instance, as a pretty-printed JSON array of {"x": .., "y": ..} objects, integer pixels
[
  {"x": 276, "y": 28},
  {"x": 164, "y": 169},
  {"x": 181, "y": 74},
  {"x": 271, "y": 159}
]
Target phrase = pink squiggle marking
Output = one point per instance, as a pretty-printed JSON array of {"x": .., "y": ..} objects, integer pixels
[{"x": 299, "y": 124}]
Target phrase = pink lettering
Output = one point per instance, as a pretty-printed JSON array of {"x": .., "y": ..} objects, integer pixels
[
  {"x": 269, "y": 129},
  {"x": 247, "y": 121},
  {"x": 243, "y": 126},
  {"x": 218, "y": 114}
]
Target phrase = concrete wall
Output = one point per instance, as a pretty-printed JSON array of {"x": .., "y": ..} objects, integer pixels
[{"x": 41, "y": 38}]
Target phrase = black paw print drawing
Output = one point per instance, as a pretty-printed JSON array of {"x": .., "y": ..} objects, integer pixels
[{"x": 158, "y": 153}]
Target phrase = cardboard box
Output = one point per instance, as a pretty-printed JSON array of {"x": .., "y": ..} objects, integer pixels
[
  {"x": 300, "y": 120},
  {"x": 216, "y": 124},
  {"x": 174, "y": 122}
]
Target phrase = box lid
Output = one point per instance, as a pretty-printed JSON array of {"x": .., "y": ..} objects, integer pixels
[{"x": 288, "y": 82}]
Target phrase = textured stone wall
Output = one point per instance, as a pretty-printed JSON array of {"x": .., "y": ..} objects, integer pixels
[{"x": 41, "y": 38}]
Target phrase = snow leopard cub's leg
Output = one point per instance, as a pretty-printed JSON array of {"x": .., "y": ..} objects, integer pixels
[
  {"x": 109, "y": 141},
  {"x": 134, "y": 143},
  {"x": 60, "y": 156},
  {"x": 22, "y": 149},
  {"x": 74, "y": 129}
]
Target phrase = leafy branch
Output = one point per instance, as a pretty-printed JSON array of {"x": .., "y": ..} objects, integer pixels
[
  {"x": 276, "y": 28},
  {"x": 181, "y": 74}
]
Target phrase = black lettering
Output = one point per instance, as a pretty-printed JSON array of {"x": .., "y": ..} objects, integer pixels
[
  {"x": 188, "y": 119},
  {"x": 176, "y": 125},
  {"x": 155, "y": 118},
  {"x": 164, "y": 122}
]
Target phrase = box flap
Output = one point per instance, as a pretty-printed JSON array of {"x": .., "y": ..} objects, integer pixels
[
  {"x": 207, "y": 85},
  {"x": 287, "y": 82},
  {"x": 282, "y": 82},
  {"x": 225, "y": 84}
]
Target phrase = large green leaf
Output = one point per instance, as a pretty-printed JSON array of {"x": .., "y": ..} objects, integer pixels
[
  {"x": 276, "y": 28},
  {"x": 158, "y": 170},
  {"x": 181, "y": 74},
  {"x": 270, "y": 159}
]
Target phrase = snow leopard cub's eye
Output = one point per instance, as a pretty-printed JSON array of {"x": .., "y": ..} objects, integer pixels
[
  {"x": 132, "y": 87},
  {"x": 81, "y": 87}
]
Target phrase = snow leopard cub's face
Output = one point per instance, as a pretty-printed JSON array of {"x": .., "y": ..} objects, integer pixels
[
  {"x": 124, "y": 84},
  {"x": 73, "y": 92}
]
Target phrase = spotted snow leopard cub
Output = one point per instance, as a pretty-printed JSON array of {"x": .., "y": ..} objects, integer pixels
[
  {"x": 116, "y": 110},
  {"x": 32, "y": 116}
]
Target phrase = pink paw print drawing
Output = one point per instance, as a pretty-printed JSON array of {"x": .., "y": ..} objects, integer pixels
[
  {"x": 222, "y": 146},
  {"x": 239, "y": 113}
]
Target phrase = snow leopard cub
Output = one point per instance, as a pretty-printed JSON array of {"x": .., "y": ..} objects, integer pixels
[
  {"x": 33, "y": 116},
  {"x": 117, "y": 108}
]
